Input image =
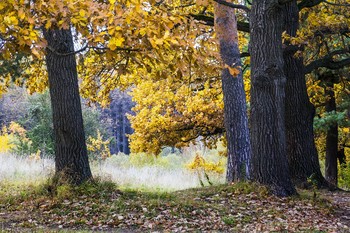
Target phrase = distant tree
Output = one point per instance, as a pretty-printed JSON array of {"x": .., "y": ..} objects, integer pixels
[
  {"x": 120, "y": 106},
  {"x": 323, "y": 42},
  {"x": 13, "y": 106},
  {"x": 332, "y": 136}
]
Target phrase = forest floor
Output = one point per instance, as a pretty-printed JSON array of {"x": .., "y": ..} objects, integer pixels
[{"x": 239, "y": 207}]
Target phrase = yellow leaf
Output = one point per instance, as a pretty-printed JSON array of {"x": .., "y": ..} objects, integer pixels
[
  {"x": 82, "y": 13},
  {"x": 11, "y": 20},
  {"x": 159, "y": 41},
  {"x": 143, "y": 31},
  {"x": 233, "y": 71},
  {"x": 36, "y": 53},
  {"x": 48, "y": 24},
  {"x": 115, "y": 42},
  {"x": 2, "y": 5},
  {"x": 166, "y": 34},
  {"x": 21, "y": 14},
  {"x": 32, "y": 35}
]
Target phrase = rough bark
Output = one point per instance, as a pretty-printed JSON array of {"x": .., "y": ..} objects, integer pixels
[
  {"x": 270, "y": 164},
  {"x": 71, "y": 159},
  {"x": 331, "y": 138},
  {"x": 235, "y": 107},
  {"x": 299, "y": 115}
]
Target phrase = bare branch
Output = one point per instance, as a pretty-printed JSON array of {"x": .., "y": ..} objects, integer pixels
[
  {"x": 235, "y": 6},
  {"x": 117, "y": 49},
  {"x": 281, "y": 2},
  {"x": 309, "y": 3},
  {"x": 208, "y": 20},
  {"x": 67, "y": 54},
  {"x": 328, "y": 62},
  {"x": 245, "y": 54},
  {"x": 91, "y": 47},
  {"x": 337, "y": 4}
]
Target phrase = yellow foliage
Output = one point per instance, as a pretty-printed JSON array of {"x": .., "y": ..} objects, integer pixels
[
  {"x": 169, "y": 116},
  {"x": 199, "y": 164},
  {"x": 4, "y": 84},
  {"x": 5, "y": 141},
  {"x": 35, "y": 156},
  {"x": 171, "y": 59},
  {"x": 99, "y": 146},
  {"x": 15, "y": 128}
]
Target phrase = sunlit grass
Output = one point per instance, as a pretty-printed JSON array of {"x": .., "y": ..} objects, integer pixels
[
  {"x": 18, "y": 169},
  {"x": 167, "y": 173}
]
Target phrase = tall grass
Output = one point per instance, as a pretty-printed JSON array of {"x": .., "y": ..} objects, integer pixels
[
  {"x": 18, "y": 169},
  {"x": 140, "y": 171}
]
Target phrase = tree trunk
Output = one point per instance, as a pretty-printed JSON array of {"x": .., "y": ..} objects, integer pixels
[
  {"x": 331, "y": 138},
  {"x": 299, "y": 115},
  {"x": 341, "y": 156},
  {"x": 270, "y": 164},
  {"x": 71, "y": 160},
  {"x": 235, "y": 107}
]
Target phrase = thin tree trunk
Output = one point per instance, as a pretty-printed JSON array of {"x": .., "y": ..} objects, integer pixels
[
  {"x": 71, "y": 159},
  {"x": 301, "y": 149},
  {"x": 235, "y": 107},
  {"x": 331, "y": 138},
  {"x": 341, "y": 156},
  {"x": 270, "y": 164}
]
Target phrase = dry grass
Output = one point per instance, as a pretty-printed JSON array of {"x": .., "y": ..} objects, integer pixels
[{"x": 170, "y": 175}]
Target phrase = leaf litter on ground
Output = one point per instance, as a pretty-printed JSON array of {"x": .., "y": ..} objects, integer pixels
[{"x": 241, "y": 207}]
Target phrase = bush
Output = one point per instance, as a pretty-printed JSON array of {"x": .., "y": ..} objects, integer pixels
[
  {"x": 344, "y": 176},
  {"x": 35, "y": 121},
  {"x": 5, "y": 141}
]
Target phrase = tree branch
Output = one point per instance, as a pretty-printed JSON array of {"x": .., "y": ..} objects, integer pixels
[
  {"x": 309, "y": 3},
  {"x": 208, "y": 20},
  {"x": 328, "y": 62},
  {"x": 117, "y": 49},
  {"x": 66, "y": 54},
  {"x": 337, "y": 4},
  {"x": 281, "y": 2},
  {"x": 235, "y": 6},
  {"x": 90, "y": 47},
  {"x": 245, "y": 54}
]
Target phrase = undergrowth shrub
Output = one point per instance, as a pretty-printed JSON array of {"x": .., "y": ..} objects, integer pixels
[
  {"x": 98, "y": 147},
  {"x": 204, "y": 168},
  {"x": 5, "y": 141},
  {"x": 344, "y": 176},
  {"x": 97, "y": 186}
]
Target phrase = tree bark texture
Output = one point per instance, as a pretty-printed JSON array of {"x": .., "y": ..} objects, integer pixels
[
  {"x": 331, "y": 138},
  {"x": 270, "y": 164},
  {"x": 235, "y": 106},
  {"x": 71, "y": 159},
  {"x": 299, "y": 112}
]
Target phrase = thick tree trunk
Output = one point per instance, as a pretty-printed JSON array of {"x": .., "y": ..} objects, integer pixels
[
  {"x": 331, "y": 138},
  {"x": 71, "y": 160},
  {"x": 235, "y": 110},
  {"x": 301, "y": 149},
  {"x": 270, "y": 164}
]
